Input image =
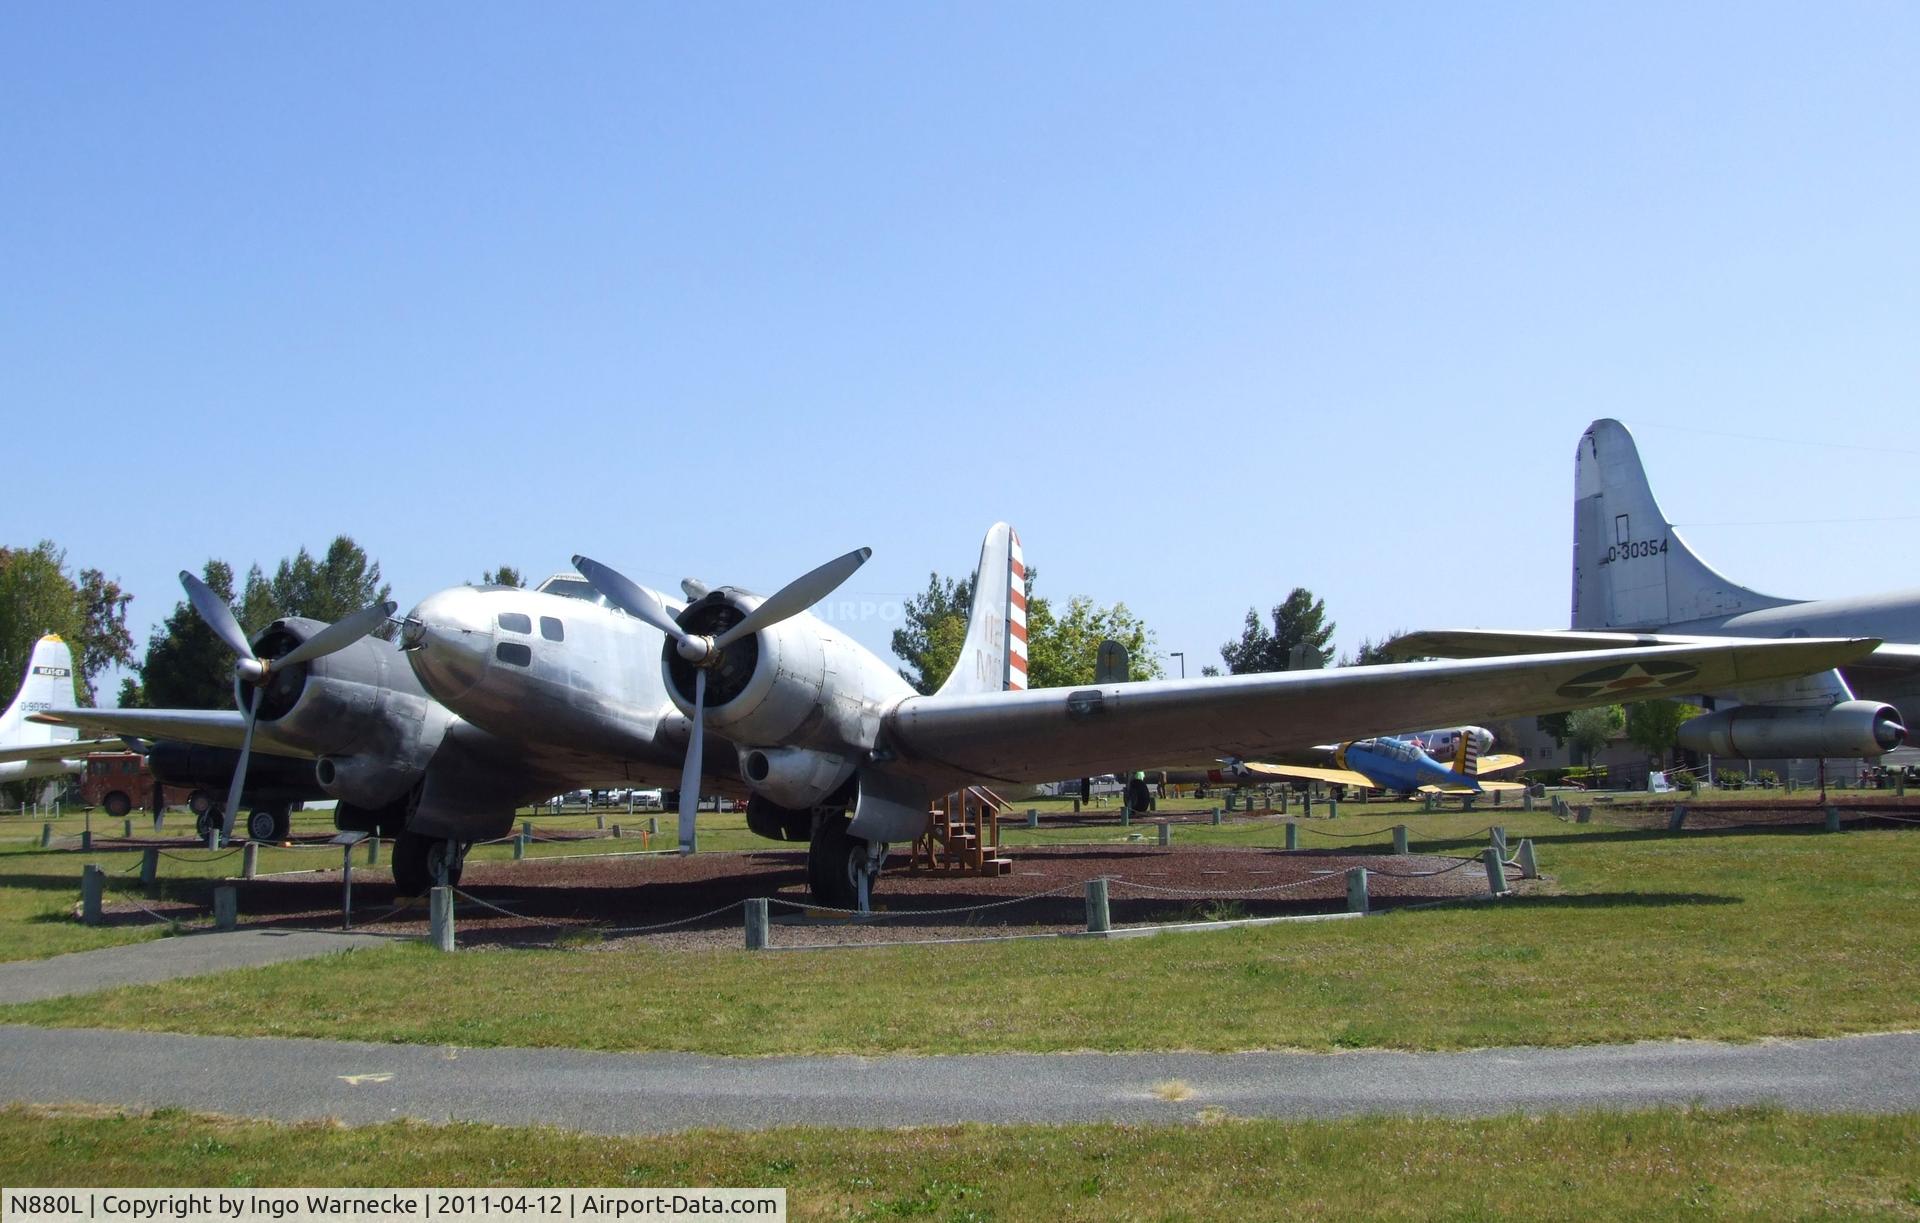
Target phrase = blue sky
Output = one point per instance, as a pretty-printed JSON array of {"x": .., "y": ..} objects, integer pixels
[{"x": 1210, "y": 301}]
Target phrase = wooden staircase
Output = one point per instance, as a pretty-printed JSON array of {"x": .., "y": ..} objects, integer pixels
[{"x": 963, "y": 835}]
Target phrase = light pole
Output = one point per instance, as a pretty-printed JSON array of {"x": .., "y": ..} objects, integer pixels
[{"x": 1182, "y": 656}]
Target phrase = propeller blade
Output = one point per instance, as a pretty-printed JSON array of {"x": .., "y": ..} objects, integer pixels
[
  {"x": 218, "y": 616},
  {"x": 796, "y": 596},
  {"x": 240, "y": 770},
  {"x": 338, "y": 635},
  {"x": 630, "y": 597},
  {"x": 696, "y": 753}
]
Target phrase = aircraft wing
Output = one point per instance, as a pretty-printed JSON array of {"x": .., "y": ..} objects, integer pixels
[
  {"x": 1498, "y": 764},
  {"x": 1046, "y": 733},
  {"x": 208, "y": 727},
  {"x": 1338, "y": 777},
  {"x": 1893, "y": 656},
  {"x": 1504, "y": 787},
  {"x": 72, "y": 749}
]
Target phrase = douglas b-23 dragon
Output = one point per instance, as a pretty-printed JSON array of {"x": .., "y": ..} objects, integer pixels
[{"x": 509, "y": 694}]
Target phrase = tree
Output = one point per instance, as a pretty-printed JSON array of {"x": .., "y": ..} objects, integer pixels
[
  {"x": 1370, "y": 655},
  {"x": 1655, "y": 725},
  {"x": 933, "y": 628},
  {"x": 258, "y": 606},
  {"x": 37, "y": 597},
  {"x": 1591, "y": 729},
  {"x": 187, "y": 667},
  {"x": 1061, "y": 651},
  {"x": 1554, "y": 724},
  {"x": 1300, "y": 620},
  {"x": 331, "y": 588},
  {"x": 505, "y": 575}
]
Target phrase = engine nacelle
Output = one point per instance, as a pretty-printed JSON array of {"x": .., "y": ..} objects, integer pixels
[
  {"x": 364, "y": 781},
  {"x": 360, "y": 710},
  {"x": 1770, "y": 732},
  {"x": 795, "y": 684},
  {"x": 794, "y": 777}
]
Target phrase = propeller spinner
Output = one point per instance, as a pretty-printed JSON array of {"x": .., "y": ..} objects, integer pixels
[{"x": 705, "y": 652}]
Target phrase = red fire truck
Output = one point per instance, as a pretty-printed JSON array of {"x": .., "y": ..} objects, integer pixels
[{"x": 119, "y": 782}]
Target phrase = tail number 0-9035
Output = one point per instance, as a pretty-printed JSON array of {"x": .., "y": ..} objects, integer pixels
[{"x": 1636, "y": 549}]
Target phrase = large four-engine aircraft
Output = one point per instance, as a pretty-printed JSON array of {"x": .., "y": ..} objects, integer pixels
[
  {"x": 510, "y": 694},
  {"x": 33, "y": 749},
  {"x": 1636, "y": 583}
]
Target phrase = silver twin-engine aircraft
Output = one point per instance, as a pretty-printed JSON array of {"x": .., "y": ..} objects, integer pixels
[{"x": 499, "y": 696}]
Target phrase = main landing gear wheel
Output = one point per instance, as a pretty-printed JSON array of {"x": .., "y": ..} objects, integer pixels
[
  {"x": 421, "y": 862},
  {"x": 199, "y": 801},
  {"x": 268, "y": 824},
  {"x": 209, "y": 821},
  {"x": 838, "y": 863}
]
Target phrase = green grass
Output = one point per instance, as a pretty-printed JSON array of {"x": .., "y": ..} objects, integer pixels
[
  {"x": 1637, "y": 935},
  {"x": 1747, "y": 1163}
]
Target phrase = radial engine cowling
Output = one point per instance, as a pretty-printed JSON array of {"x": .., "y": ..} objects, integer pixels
[
  {"x": 1773, "y": 732},
  {"x": 794, "y": 684}
]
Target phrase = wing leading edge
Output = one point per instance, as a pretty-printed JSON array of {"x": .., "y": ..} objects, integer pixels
[
  {"x": 208, "y": 727},
  {"x": 1050, "y": 733}
]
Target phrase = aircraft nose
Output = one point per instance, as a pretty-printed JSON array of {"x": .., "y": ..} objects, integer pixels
[{"x": 448, "y": 640}]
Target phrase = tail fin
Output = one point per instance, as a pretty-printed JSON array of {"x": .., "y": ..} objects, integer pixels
[
  {"x": 1466, "y": 754},
  {"x": 994, "y": 656},
  {"x": 48, "y": 685},
  {"x": 1631, "y": 569}
]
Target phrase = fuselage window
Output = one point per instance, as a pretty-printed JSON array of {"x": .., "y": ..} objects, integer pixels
[
  {"x": 552, "y": 629},
  {"x": 513, "y": 652},
  {"x": 515, "y": 622}
]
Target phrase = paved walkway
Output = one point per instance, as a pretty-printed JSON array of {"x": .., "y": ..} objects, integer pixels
[
  {"x": 650, "y": 1093},
  {"x": 187, "y": 955}
]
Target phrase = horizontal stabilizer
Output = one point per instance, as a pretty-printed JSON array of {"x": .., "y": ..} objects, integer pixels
[
  {"x": 1504, "y": 787},
  {"x": 66, "y": 749}
]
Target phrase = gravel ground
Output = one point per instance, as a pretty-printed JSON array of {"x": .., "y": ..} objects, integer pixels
[{"x": 597, "y": 902}]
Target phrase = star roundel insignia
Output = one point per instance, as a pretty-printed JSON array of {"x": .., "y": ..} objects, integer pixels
[{"x": 1628, "y": 679}]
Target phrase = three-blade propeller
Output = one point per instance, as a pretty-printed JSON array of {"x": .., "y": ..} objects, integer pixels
[
  {"x": 706, "y": 652},
  {"x": 256, "y": 671}
]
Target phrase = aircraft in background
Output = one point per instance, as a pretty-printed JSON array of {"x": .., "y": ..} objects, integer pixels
[
  {"x": 1636, "y": 583},
  {"x": 30, "y": 750},
  {"x": 1407, "y": 764},
  {"x": 1404, "y": 764},
  {"x": 510, "y": 695}
]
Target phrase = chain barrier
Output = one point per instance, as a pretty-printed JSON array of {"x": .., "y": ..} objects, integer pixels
[
  {"x": 665, "y": 925},
  {"x": 1445, "y": 870},
  {"x": 1203, "y": 893},
  {"x": 468, "y": 896},
  {"x": 1062, "y": 890},
  {"x": 178, "y": 858}
]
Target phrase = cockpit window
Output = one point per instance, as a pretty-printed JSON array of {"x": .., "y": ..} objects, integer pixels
[
  {"x": 515, "y": 653},
  {"x": 515, "y": 622},
  {"x": 572, "y": 588},
  {"x": 552, "y": 629}
]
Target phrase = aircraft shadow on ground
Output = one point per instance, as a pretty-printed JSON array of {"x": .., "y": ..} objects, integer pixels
[{"x": 1620, "y": 900}]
